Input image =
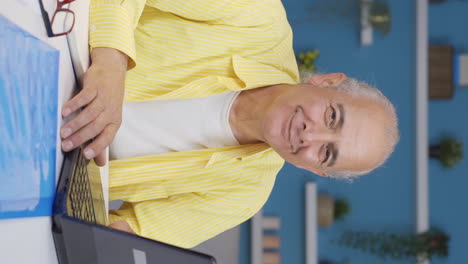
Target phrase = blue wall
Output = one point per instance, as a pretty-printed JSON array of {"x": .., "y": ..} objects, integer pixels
[
  {"x": 448, "y": 188},
  {"x": 385, "y": 199}
]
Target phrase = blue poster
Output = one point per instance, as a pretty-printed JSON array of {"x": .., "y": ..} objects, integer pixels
[{"x": 28, "y": 123}]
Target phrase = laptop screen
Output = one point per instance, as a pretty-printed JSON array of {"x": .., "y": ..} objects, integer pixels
[{"x": 88, "y": 243}]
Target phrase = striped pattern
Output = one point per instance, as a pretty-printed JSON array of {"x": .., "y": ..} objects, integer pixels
[
  {"x": 186, "y": 49},
  {"x": 188, "y": 197}
]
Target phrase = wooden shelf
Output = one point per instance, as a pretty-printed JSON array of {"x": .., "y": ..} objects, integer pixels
[
  {"x": 441, "y": 71},
  {"x": 256, "y": 232}
]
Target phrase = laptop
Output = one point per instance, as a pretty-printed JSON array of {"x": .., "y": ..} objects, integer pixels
[{"x": 80, "y": 231}]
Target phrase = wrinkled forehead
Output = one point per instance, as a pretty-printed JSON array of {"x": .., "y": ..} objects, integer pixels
[{"x": 362, "y": 143}]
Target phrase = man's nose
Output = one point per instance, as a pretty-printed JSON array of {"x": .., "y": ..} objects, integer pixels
[{"x": 317, "y": 134}]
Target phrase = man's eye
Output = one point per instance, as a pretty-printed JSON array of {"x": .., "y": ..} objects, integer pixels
[
  {"x": 332, "y": 117},
  {"x": 327, "y": 153}
]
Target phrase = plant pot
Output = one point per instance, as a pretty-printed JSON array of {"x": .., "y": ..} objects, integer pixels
[
  {"x": 434, "y": 151},
  {"x": 326, "y": 209},
  {"x": 325, "y": 262}
]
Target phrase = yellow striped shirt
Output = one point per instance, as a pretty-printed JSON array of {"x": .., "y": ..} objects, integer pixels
[{"x": 187, "y": 49}]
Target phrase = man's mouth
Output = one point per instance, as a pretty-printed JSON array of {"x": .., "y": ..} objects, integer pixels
[{"x": 293, "y": 147}]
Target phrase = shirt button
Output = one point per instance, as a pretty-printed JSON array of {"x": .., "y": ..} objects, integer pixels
[{"x": 92, "y": 28}]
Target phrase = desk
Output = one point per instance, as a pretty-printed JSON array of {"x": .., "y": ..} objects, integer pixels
[{"x": 29, "y": 240}]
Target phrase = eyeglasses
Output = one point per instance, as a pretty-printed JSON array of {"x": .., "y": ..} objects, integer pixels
[{"x": 62, "y": 21}]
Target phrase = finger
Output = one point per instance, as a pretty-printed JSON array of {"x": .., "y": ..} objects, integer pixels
[
  {"x": 90, "y": 131},
  {"x": 81, "y": 99},
  {"x": 122, "y": 225},
  {"x": 101, "y": 142},
  {"x": 90, "y": 113},
  {"x": 100, "y": 159}
]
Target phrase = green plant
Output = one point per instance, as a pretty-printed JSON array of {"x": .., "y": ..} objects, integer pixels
[
  {"x": 386, "y": 245},
  {"x": 452, "y": 152},
  {"x": 380, "y": 16},
  {"x": 307, "y": 59},
  {"x": 342, "y": 209},
  {"x": 449, "y": 152}
]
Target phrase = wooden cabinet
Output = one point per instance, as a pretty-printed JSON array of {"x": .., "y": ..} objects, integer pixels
[{"x": 441, "y": 71}]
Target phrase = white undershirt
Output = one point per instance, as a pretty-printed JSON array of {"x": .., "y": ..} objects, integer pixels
[{"x": 160, "y": 126}]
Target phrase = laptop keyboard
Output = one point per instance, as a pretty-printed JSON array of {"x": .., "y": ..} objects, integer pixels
[{"x": 80, "y": 195}]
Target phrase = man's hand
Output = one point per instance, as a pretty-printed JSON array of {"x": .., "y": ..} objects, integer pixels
[
  {"x": 102, "y": 98},
  {"x": 122, "y": 226}
]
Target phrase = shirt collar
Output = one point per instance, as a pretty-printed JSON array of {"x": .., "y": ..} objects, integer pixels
[{"x": 253, "y": 74}]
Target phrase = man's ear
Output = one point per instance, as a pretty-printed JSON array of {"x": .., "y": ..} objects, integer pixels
[
  {"x": 330, "y": 79},
  {"x": 314, "y": 170}
]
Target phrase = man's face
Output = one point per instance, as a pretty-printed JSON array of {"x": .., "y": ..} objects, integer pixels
[{"x": 322, "y": 129}]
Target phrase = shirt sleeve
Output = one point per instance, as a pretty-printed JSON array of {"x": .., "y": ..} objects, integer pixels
[
  {"x": 202, "y": 10},
  {"x": 183, "y": 220},
  {"x": 112, "y": 24}
]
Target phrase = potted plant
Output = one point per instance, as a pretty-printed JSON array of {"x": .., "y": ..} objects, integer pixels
[
  {"x": 326, "y": 262},
  {"x": 307, "y": 60},
  {"x": 330, "y": 210},
  {"x": 422, "y": 246},
  {"x": 333, "y": 11},
  {"x": 380, "y": 16},
  {"x": 449, "y": 152},
  {"x": 342, "y": 209}
]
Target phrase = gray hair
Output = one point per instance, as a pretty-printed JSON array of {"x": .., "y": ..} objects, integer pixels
[{"x": 360, "y": 89}]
